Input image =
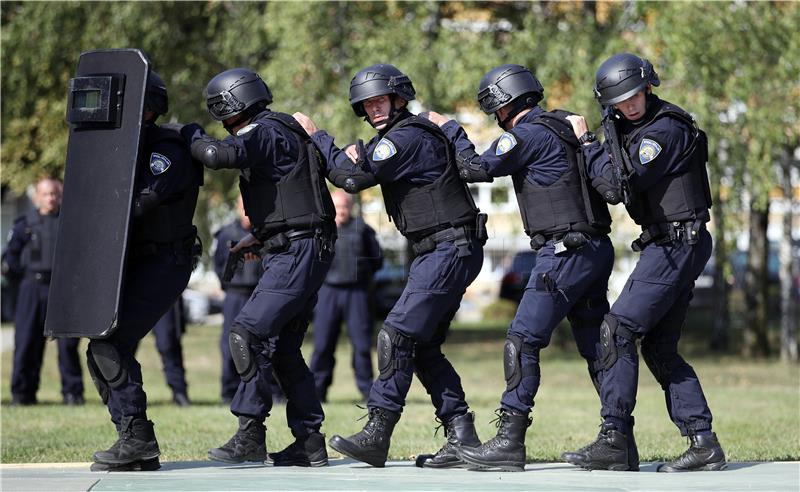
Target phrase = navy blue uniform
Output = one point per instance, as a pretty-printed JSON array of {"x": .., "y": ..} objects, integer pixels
[
  {"x": 29, "y": 256},
  {"x": 345, "y": 297},
  {"x": 653, "y": 304},
  {"x": 277, "y": 314},
  {"x": 571, "y": 283},
  {"x": 410, "y": 156},
  {"x": 157, "y": 271}
]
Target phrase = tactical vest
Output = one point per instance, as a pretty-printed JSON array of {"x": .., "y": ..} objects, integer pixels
[
  {"x": 300, "y": 200},
  {"x": 568, "y": 204},
  {"x": 678, "y": 197},
  {"x": 39, "y": 251},
  {"x": 420, "y": 210},
  {"x": 348, "y": 264},
  {"x": 170, "y": 221},
  {"x": 250, "y": 272}
]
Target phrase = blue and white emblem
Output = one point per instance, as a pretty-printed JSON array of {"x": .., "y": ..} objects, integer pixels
[
  {"x": 246, "y": 129},
  {"x": 505, "y": 143},
  {"x": 384, "y": 150},
  {"x": 158, "y": 163},
  {"x": 648, "y": 150}
]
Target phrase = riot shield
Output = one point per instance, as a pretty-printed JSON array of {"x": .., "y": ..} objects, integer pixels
[{"x": 105, "y": 105}]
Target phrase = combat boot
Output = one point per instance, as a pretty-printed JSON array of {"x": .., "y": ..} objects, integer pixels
[
  {"x": 460, "y": 432},
  {"x": 136, "y": 443},
  {"x": 248, "y": 444},
  {"x": 633, "y": 450},
  {"x": 506, "y": 450},
  {"x": 371, "y": 444},
  {"x": 608, "y": 452},
  {"x": 704, "y": 454},
  {"x": 304, "y": 451}
]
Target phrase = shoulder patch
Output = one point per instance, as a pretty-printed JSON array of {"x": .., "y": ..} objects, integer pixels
[
  {"x": 505, "y": 143},
  {"x": 246, "y": 129},
  {"x": 384, "y": 150},
  {"x": 159, "y": 163},
  {"x": 648, "y": 150}
]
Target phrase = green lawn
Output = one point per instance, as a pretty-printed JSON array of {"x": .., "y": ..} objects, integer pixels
[{"x": 756, "y": 406}]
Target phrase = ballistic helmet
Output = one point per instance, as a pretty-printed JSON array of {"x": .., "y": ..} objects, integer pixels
[
  {"x": 621, "y": 77},
  {"x": 234, "y": 91},
  {"x": 379, "y": 80},
  {"x": 155, "y": 97},
  {"x": 505, "y": 84}
]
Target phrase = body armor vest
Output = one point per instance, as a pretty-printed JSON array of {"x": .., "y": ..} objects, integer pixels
[
  {"x": 348, "y": 265},
  {"x": 38, "y": 254},
  {"x": 170, "y": 221},
  {"x": 250, "y": 272},
  {"x": 420, "y": 210},
  {"x": 300, "y": 200},
  {"x": 568, "y": 204},
  {"x": 676, "y": 197}
]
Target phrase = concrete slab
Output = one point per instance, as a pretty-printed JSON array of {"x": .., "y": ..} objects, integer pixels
[{"x": 346, "y": 474}]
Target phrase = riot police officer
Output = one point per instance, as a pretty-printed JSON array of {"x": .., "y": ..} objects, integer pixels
[
  {"x": 161, "y": 254},
  {"x": 29, "y": 256},
  {"x": 283, "y": 187},
  {"x": 345, "y": 297},
  {"x": 659, "y": 165},
  {"x": 414, "y": 163},
  {"x": 568, "y": 223}
]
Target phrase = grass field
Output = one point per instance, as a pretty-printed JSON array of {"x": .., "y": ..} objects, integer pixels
[{"x": 756, "y": 406}]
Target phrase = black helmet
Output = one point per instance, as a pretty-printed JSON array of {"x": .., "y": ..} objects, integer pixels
[
  {"x": 621, "y": 77},
  {"x": 378, "y": 80},
  {"x": 155, "y": 97},
  {"x": 234, "y": 91},
  {"x": 504, "y": 84}
]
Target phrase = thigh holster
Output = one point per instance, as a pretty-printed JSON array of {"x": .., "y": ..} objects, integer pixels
[
  {"x": 610, "y": 332},
  {"x": 389, "y": 340},
  {"x": 242, "y": 353},
  {"x": 513, "y": 369}
]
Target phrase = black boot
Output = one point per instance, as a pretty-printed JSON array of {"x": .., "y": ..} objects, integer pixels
[
  {"x": 608, "y": 452},
  {"x": 506, "y": 450},
  {"x": 136, "y": 443},
  {"x": 633, "y": 450},
  {"x": 704, "y": 454},
  {"x": 248, "y": 444},
  {"x": 460, "y": 432},
  {"x": 371, "y": 444},
  {"x": 304, "y": 451}
]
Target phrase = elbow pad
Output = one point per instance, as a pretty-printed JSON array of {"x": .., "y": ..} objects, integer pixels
[
  {"x": 609, "y": 192},
  {"x": 469, "y": 168},
  {"x": 351, "y": 183},
  {"x": 214, "y": 154},
  {"x": 144, "y": 202}
]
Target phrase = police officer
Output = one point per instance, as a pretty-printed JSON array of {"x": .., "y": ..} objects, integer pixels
[
  {"x": 664, "y": 184},
  {"x": 168, "y": 331},
  {"x": 345, "y": 297},
  {"x": 568, "y": 223},
  {"x": 283, "y": 187},
  {"x": 29, "y": 256},
  {"x": 160, "y": 259},
  {"x": 413, "y": 162}
]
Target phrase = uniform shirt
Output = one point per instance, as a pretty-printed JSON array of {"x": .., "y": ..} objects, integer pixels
[
  {"x": 15, "y": 258},
  {"x": 527, "y": 147},
  {"x": 358, "y": 255}
]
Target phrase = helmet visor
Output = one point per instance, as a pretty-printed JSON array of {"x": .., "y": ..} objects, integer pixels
[
  {"x": 224, "y": 106},
  {"x": 492, "y": 98}
]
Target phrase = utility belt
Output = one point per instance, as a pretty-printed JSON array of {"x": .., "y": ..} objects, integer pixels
[
  {"x": 668, "y": 232},
  {"x": 186, "y": 250},
  {"x": 324, "y": 234},
  {"x": 38, "y": 277},
  {"x": 460, "y": 235},
  {"x": 563, "y": 241}
]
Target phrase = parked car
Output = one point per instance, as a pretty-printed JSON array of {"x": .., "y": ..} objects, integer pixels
[{"x": 513, "y": 283}]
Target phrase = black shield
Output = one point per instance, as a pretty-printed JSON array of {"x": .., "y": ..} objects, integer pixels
[{"x": 105, "y": 106}]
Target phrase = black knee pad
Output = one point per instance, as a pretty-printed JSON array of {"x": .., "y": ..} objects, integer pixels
[
  {"x": 244, "y": 358},
  {"x": 610, "y": 331},
  {"x": 390, "y": 339},
  {"x": 429, "y": 362},
  {"x": 660, "y": 359},
  {"x": 513, "y": 369},
  {"x": 99, "y": 382},
  {"x": 108, "y": 362}
]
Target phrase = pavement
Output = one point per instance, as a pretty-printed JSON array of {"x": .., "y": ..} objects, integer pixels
[{"x": 345, "y": 474}]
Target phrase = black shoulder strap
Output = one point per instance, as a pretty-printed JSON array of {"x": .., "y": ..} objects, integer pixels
[
  {"x": 289, "y": 122},
  {"x": 556, "y": 122}
]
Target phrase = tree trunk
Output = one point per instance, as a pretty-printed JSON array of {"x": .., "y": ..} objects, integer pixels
[
  {"x": 756, "y": 343},
  {"x": 722, "y": 318},
  {"x": 789, "y": 301}
]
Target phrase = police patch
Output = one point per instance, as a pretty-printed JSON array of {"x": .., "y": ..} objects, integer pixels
[
  {"x": 246, "y": 129},
  {"x": 158, "y": 163},
  {"x": 505, "y": 143},
  {"x": 384, "y": 150},
  {"x": 648, "y": 150}
]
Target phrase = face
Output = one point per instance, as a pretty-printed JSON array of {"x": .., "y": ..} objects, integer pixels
[
  {"x": 344, "y": 205},
  {"x": 48, "y": 196},
  {"x": 634, "y": 107},
  {"x": 378, "y": 109}
]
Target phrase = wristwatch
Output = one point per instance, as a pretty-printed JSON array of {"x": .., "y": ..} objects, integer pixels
[{"x": 587, "y": 137}]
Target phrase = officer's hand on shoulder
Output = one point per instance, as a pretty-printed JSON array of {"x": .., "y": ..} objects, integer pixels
[
  {"x": 307, "y": 123},
  {"x": 435, "y": 117},
  {"x": 352, "y": 152},
  {"x": 579, "y": 125}
]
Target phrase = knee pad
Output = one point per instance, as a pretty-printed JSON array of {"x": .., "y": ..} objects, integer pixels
[
  {"x": 429, "y": 363},
  {"x": 389, "y": 340},
  {"x": 660, "y": 359},
  {"x": 513, "y": 369},
  {"x": 108, "y": 362},
  {"x": 610, "y": 331},
  {"x": 244, "y": 359},
  {"x": 94, "y": 373}
]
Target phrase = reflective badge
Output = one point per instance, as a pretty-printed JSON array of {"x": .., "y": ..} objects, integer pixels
[
  {"x": 384, "y": 150},
  {"x": 648, "y": 150},
  {"x": 158, "y": 163},
  {"x": 505, "y": 143},
  {"x": 246, "y": 129}
]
